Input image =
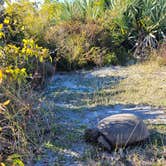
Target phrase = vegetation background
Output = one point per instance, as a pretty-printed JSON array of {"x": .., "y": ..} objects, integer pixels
[{"x": 37, "y": 38}]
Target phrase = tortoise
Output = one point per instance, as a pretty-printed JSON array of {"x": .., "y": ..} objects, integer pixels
[{"x": 118, "y": 130}]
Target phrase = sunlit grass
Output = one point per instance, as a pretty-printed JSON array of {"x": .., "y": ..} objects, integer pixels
[{"x": 144, "y": 85}]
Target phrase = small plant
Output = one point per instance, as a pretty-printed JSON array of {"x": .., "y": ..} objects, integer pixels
[
  {"x": 145, "y": 21},
  {"x": 22, "y": 62},
  {"x": 110, "y": 59}
]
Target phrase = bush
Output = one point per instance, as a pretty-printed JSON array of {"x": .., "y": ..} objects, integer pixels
[
  {"x": 17, "y": 101},
  {"x": 19, "y": 63},
  {"x": 110, "y": 58},
  {"x": 79, "y": 44},
  {"x": 18, "y": 115}
]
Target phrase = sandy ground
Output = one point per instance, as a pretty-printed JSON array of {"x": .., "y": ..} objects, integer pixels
[{"x": 69, "y": 97}]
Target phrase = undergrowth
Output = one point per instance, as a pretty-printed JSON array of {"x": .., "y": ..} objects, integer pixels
[{"x": 73, "y": 35}]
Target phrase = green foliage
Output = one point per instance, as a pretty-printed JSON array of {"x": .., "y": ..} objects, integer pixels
[
  {"x": 74, "y": 28},
  {"x": 145, "y": 21},
  {"x": 16, "y": 74},
  {"x": 79, "y": 44},
  {"x": 24, "y": 20},
  {"x": 110, "y": 59},
  {"x": 82, "y": 10},
  {"x": 15, "y": 159},
  {"x": 19, "y": 62},
  {"x": 14, "y": 19},
  {"x": 85, "y": 36},
  {"x": 80, "y": 34}
]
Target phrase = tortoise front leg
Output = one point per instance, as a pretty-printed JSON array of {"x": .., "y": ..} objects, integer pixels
[{"x": 101, "y": 140}]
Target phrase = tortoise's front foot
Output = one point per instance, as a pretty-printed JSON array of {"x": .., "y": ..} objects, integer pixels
[
  {"x": 91, "y": 135},
  {"x": 101, "y": 140}
]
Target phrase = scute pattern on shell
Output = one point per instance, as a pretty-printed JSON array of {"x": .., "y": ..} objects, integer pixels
[{"x": 123, "y": 129}]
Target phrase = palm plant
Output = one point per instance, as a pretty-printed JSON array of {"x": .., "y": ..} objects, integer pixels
[
  {"x": 146, "y": 22},
  {"x": 85, "y": 9}
]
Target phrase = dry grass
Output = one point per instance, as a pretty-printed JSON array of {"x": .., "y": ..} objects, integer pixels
[
  {"x": 18, "y": 116},
  {"x": 143, "y": 84}
]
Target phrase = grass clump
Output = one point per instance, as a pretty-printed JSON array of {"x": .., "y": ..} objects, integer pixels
[
  {"x": 19, "y": 114},
  {"x": 144, "y": 86}
]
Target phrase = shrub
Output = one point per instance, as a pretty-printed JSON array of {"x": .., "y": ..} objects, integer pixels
[
  {"x": 69, "y": 44},
  {"x": 145, "y": 20},
  {"x": 16, "y": 104},
  {"x": 79, "y": 44},
  {"x": 22, "y": 62},
  {"x": 80, "y": 37},
  {"x": 110, "y": 58},
  {"x": 18, "y": 115},
  {"x": 17, "y": 100}
]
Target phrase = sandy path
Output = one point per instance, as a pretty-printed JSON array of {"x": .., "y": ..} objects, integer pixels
[{"x": 69, "y": 96}]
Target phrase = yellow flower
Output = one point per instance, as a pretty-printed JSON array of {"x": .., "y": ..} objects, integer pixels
[
  {"x": 6, "y": 21},
  {"x": 1, "y": 75},
  {"x": 23, "y": 70},
  {"x": 1, "y": 26},
  {"x": 28, "y": 51},
  {"x": 9, "y": 71},
  {"x": 24, "y": 41}
]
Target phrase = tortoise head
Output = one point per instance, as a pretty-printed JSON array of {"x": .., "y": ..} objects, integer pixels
[{"x": 91, "y": 134}]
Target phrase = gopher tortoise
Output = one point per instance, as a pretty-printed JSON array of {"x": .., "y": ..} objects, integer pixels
[{"x": 118, "y": 130}]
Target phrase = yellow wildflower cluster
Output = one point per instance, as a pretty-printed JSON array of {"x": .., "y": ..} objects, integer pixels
[
  {"x": 6, "y": 20},
  {"x": 32, "y": 49},
  {"x": 17, "y": 74},
  {"x": 1, "y": 75}
]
